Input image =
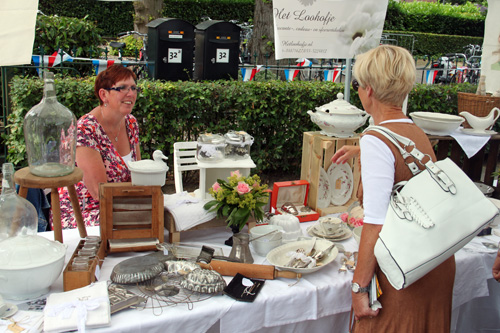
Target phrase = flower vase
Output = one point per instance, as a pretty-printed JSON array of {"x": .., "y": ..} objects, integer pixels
[{"x": 235, "y": 230}]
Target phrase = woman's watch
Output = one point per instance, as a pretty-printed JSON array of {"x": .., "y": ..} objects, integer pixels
[{"x": 357, "y": 289}]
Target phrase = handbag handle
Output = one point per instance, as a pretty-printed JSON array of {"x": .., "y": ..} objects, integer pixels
[{"x": 436, "y": 173}]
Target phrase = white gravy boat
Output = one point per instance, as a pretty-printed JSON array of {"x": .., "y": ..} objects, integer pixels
[{"x": 481, "y": 123}]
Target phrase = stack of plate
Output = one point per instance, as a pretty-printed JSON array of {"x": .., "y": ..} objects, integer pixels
[
  {"x": 330, "y": 231},
  {"x": 436, "y": 123}
]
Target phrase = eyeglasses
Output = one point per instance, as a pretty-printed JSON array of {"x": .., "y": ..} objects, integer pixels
[
  {"x": 125, "y": 89},
  {"x": 355, "y": 85}
]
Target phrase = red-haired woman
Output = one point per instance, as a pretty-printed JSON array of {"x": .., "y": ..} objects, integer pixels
[{"x": 108, "y": 137}]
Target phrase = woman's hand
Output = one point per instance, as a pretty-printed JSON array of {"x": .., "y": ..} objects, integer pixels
[
  {"x": 344, "y": 154},
  {"x": 361, "y": 306},
  {"x": 496, "y": 268}
]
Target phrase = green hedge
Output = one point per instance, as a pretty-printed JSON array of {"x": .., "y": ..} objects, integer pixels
[{"x": 274, "y": 112}]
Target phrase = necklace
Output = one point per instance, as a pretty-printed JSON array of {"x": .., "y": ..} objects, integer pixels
[{"x": 119, "y": 127}]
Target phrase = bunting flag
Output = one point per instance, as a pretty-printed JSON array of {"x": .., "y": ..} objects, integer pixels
[
  {"x": 331, "y": 74},
  {"x": 101, "y": 65},
  {"x": 52, "y": 60},
  {"x": 291, "y": 74},
  {"x": 303, "y": 62},
  {"x": 430, "y": 75},
  {"x": 249, "y": 73}
]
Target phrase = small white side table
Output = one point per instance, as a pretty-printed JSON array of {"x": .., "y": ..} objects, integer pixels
[{"x": 211, "y": 171}]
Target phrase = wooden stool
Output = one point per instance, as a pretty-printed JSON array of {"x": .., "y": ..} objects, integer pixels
[{"x": 25, "y": 179}]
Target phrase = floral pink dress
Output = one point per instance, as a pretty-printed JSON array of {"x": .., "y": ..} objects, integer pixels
[{"x": 92, "y": 135}]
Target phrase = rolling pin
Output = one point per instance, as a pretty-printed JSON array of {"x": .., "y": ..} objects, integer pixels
[{"x": 267, "y": 272}]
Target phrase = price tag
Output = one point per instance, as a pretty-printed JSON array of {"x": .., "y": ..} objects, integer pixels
[
  {"x": 222, "y": 56},
  {"x": 174, "y": 56}
]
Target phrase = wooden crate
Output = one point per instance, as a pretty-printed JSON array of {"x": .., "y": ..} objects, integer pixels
[
  {"x": 317, "y": 151},
  {"x": 131, "y": 217},
  {"x": 78, "y": 279}
]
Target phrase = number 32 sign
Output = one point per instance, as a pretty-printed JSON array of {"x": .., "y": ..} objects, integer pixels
[
  {"x": 174, "y": 56},
  {"x": 222, "y": 56}
]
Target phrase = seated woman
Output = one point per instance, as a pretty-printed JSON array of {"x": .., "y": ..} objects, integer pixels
[{"x": 108, "y": 137}]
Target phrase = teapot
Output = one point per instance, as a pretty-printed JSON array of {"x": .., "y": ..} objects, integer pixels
[
  {"x": 338, "y": 118},
  {"x": 481, "y": 123}
]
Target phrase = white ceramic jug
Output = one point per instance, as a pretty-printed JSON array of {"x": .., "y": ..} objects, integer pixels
[{"x": 481, "y": 123}]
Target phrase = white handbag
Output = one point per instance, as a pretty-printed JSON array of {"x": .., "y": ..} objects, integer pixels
[{"x": 430, "y": 216}]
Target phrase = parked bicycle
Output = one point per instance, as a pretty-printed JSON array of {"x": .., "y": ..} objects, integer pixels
[
  {"x": 139, "y": 65},
  {"x": 457, "y": 68}
]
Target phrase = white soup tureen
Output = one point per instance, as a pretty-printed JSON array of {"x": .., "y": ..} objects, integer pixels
[{"x": 338, "y": 118}]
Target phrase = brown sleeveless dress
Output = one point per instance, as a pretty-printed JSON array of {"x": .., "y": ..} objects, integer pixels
[{"x": 424, "y": 306}]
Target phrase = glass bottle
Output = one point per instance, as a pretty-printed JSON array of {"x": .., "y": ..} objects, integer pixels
[
  {"x": 50, "y": 134},
  {"x": 17, "y": 215}
]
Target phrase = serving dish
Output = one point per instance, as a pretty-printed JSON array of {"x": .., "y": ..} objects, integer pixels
[
  {"x": 280, "y": 256},
  {"x": 341, "y": 234},
  {"x": 324, "y": 189},
  {"x": 436, "y": 123}
]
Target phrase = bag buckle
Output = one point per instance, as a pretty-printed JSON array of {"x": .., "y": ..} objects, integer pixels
[{"x": 441, "y": 177}]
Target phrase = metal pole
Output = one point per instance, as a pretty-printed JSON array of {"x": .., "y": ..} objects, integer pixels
[{"x": 347, "y": 87}]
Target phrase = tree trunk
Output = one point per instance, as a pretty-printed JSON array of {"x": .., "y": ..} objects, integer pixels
[
  {"x": 145, "y": 12},
  {"x": 262, "y": 41}
]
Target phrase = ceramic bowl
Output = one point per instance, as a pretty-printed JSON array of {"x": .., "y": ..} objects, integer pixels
[
  {"x": 29, "y": 265},
  {"x": 290, "y": 224},
  {"x": 265, "y": 244},
  {"x": 279, "y": 256},
  {"x": 436, "y": 123},
  {"x": 356, "y": 232}
]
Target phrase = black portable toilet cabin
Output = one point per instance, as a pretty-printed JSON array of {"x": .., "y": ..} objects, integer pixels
[
  {"x": 170, "y": 49},
  {"x": 217, "y": 50}
]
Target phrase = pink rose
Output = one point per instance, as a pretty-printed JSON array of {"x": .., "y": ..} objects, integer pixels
[
  {"x": 236, "y": 173},
  {"x": 242, "y": 188},
  {"x": 216, "y": 187},
  {"x": 344, "y": 217}
]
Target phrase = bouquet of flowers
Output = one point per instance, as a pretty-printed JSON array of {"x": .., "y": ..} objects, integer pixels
[
  {"x": 353, "y": 218},
  {"x": 237, "y": 198}
]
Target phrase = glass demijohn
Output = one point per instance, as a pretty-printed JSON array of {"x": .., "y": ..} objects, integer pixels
[
  {"x": 50, "y": 134},
  {"x": 17, "y": 215}
]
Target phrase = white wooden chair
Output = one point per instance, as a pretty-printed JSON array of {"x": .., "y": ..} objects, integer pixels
[{"x": 184, "y": 160}]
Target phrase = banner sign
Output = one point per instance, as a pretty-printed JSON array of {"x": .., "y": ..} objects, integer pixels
[
  {"x": 327, "y": 28},
  {"x": 490, "y": 60}
]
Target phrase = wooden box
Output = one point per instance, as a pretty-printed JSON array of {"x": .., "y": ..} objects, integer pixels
[
  {"x": 296, "y": 192},
  {"x": 317, "y": 151},
  {"x": 131, "y": 217},
  {"x": 77, "y": 279}
]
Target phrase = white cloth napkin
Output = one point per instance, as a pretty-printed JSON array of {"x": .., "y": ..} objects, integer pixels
[
  {"x": 471, "y": 144},
  {"x": 187, "y": 210},
  {"x": 30, "y": 321},
  {"x": 476, "y": 245},
  {"x": 78, "y": 309}
]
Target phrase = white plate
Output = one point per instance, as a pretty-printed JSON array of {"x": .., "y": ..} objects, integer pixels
[
  {"x": 475, "y": 132},
  {"x": 324, "y": 189},
  {"x": 278, "y": 256},
  {"x": 316, "y": 232},
  {"x": 342, "y": 182},
  {"x": 11, "y": 310}
]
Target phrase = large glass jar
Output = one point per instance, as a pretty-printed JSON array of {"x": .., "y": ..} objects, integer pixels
[
  {"x": 50, "y": 135},
  {"x": 238, "y": 145},
  {"x": 210, "y": 147},
  {"x": 17, "y": 215}
]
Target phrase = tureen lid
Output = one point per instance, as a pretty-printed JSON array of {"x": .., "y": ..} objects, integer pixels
[
  {"x": 340, "y": 106},
  {"x": 28, "y": 251},
  {"x": 211, "y": 138},
  {"x": 238, "y": 137}
]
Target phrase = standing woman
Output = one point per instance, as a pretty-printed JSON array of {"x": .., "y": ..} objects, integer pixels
[
  {"x": 384, "y": 76},
  {"x": 107, "y": 137}
]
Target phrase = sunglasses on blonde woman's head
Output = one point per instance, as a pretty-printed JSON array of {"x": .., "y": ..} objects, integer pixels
[
  {"x": 355, "y": 85},
  {"x": 124, "y": 89}
]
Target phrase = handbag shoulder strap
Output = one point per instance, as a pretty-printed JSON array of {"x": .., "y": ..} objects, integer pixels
[{"x": 439, "y": 176}]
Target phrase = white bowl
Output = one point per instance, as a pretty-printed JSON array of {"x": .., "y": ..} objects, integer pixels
[
  {"x": 266, "y": 243},
  {"x": 29, "y": 265},
  {"x": 290, "y": 225},
  {"x": 278, "y": 256},
  {"x": 356, "y": 232},
  {"x": 436, "y": 123}
]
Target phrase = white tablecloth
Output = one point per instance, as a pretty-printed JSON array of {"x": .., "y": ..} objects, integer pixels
[{"x": 318, "y": 302}]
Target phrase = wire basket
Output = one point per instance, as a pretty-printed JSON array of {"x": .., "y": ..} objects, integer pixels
[{"x": 477, "y": 105}]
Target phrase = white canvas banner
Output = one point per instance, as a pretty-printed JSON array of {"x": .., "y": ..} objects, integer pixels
[
  {"x": 327, "y": 28},
  {"x": 17, "y": 31},
  {"x": 490, "y": 59}
]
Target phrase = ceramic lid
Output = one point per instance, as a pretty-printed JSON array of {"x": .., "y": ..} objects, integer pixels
[
  {"x": 340, "y": 106},
  {"x": 147, "y": 166},
  {"x": 27, "y": 251},
  {"x": 209, "y": 138},
  {"x": 238, "y": 137}
]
